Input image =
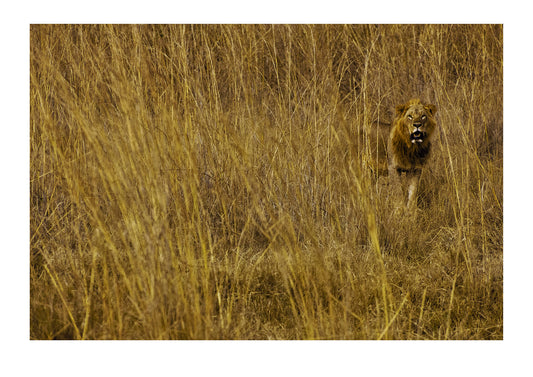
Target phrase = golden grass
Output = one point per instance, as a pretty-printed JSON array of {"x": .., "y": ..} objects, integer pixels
[{"x": 226, "y": 182}]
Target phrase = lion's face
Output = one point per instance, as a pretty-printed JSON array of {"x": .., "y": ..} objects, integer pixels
[{"x": 417, "y": 120}]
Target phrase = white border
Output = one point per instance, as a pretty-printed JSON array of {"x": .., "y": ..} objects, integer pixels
[{"x": 20, "y": 356}]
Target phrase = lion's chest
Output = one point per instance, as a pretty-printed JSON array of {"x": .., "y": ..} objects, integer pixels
[{"x": 411, "y": 156}]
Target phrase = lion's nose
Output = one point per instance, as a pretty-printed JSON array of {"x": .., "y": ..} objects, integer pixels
[{"x": 417, "y": 124}]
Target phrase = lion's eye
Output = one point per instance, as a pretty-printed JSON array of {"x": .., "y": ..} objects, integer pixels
[
  {"x": 409, "y": 117},
  {"x": 423, "y": 117}
]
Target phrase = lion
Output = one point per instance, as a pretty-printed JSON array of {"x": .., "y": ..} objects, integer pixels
[{"x": 409, "y": 145}]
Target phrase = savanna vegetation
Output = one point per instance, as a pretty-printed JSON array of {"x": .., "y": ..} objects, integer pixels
[{"x": 229, "y": 182}]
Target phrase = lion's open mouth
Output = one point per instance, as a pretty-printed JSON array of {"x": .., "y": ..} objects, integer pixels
[{"x": 417, "y": 137}]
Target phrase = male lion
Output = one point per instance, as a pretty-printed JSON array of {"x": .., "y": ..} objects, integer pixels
[{"x": 409, "y": 144}]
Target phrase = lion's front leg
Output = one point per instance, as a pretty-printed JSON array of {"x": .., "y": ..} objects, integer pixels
[
  {"x": 394, "y": 175},
  {"x": 413, "y": 179},
  {"x": 395, "y": 186}
]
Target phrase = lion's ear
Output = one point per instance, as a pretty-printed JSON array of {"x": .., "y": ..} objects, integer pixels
[
  {"x": 400, "y": 109},
  {"x": 431, "y": 108}
]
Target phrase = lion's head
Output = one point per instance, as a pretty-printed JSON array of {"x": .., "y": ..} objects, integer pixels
[{"x": 416, "y": 120}]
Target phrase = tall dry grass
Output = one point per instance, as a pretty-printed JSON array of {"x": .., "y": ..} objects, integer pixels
[{"x": 226, "y": 182}]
